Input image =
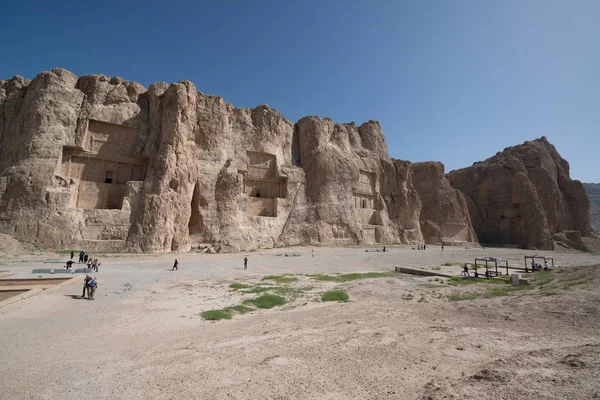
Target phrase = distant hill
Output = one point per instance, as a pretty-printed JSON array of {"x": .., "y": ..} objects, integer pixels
[{"x": 593, "y": 192}]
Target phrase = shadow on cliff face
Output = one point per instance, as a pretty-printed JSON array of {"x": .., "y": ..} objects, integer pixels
[{"x": 195, "y": 217}]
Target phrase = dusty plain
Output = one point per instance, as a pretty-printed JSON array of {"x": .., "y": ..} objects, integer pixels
[{"x": 398, "y": 337}]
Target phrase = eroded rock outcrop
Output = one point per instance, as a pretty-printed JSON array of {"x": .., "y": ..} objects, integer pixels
[{"x": 524, "y": 196}]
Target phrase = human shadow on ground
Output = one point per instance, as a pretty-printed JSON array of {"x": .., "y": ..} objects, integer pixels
[{"x": 76, "y": 297}]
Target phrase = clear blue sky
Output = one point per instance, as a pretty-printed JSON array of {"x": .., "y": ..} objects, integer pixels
[{"x": 454, "y": 81}]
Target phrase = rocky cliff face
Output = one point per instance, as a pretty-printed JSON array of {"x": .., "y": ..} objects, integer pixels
[
  {"x": 105, "y": 164},
  {"x": 593, "y": 192},
  {"x": 445, "y": 215},
  {"x": 524, "y": 196}
]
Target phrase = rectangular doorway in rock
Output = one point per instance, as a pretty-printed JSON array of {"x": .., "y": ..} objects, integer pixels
[
  {"x": 262, "y": 185},
  {"x": 366, "y": 198}
]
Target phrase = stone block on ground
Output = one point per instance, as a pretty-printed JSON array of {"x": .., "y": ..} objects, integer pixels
[
  {"x": 82, "y": 271},
  {"x": 42, "y": 271},
  {"x": 62, "y": 271}
]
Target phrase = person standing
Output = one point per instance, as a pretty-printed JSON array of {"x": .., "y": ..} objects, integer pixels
[
  {"x": 245, "y": 262},
  {"x": 313, "y": 253},
  {"x": 175, "y": 266},
  {"x": 72, "y": 254},
  {"x": 86, "y": 282},
  {"x": 81, "y": 253},
  {"x": 442, "y": 246},
  {"x": 92, "y": 288},
  {"x": 85, "y": 258}
]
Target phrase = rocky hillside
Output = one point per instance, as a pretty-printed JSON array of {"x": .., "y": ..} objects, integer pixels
[
  {"x": 524, "y": 196},
  {"x": 593, "y": 192}
]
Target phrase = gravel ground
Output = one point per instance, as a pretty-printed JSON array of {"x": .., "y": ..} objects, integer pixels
[{"x": 397, "y": 338}]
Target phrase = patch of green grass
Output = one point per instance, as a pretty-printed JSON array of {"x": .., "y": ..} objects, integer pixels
[
  {"x": 448, "y": 264},
  {"x": 266, "y": 301},
  {"x": 335, "y": 295},
  {"x": 279, "y": 278},
  {"x": 216, "y": 315},
  {"x": 323, "y": 277},
  {"x": 351, "y": 276},
  {"x": 436, "y": 268},
  {"x": 237, "y": 285},
  {"x": 408, "y": 296},
  {"x": 225, "y": 313},
  {"x": 543, "y": 277},
  {"x": 457, "y": 281}
]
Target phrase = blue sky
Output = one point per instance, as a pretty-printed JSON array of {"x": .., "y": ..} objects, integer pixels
[{"x": 453, "y": 81}]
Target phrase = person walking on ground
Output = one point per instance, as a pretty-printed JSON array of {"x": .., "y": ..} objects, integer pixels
[
  {"x": 81, "y": 253},
  {"x": 72, "y": 254},
  {"x": 175, "y": 266},
  {"x": 89, "y": 263},
  {"x": 85, "y": 258},
  {"x": 92, "y": 288},
  {"x": 313, "y": 253},
  {"x": 86, "y": 282},
  {"x": 465, "y": 271},
  {"x": 442, "y": 246},
  {"x": 424, "y": 247},
  {"x": 384, "y": 249},
  {"x": 245, "y": 262}
]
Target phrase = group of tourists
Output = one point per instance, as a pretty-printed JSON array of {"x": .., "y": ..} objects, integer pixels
[
  {"x": 84, "y": 258},
  {"x": 539, "y": 267},
  {"x": 90, "y": 285}
]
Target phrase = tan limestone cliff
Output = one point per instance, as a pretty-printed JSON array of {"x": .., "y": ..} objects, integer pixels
[
  {"x": 444, "y": 215},
  {"x": 524, "y": 196}
]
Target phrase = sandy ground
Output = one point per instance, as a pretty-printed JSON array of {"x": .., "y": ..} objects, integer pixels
[{"x": 397, "y": 338}]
